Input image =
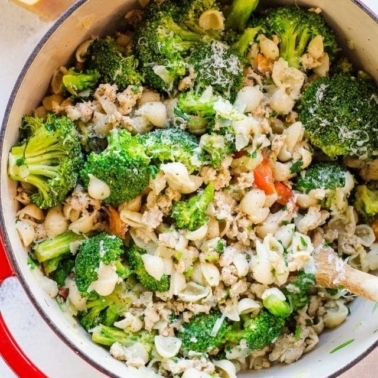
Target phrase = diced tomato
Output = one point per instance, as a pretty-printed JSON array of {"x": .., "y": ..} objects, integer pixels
[
  {"x": 284, "y": 193},
  {"x": 263, "y": 174}
]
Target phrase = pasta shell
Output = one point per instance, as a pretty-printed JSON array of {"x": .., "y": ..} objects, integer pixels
[
  {"x": 97, "y": 188},
  {"x": 154, "y": 265},
  {"x": 193, "y": 292},
  {"x": 336, "y": 315},
  {"x": 198, "y": 234},
  {"x": 31, "y": 211},
  {"x": 26, "y": 232},
  {"x": 247, "y": 305},
  {"x": 227, "y": 367},
  {"x": 167, "y": 346},
  {"x": 106, "y": 280},
  {"x": 55, "y": 222},
  {"x": 155, "y": 112},
  {"x": 211, "y": 273},
  {"x": 241, "y": 264},
  {"x": 178, "y": 283},
  {"x": 82, "y": 51},
  {"x": 211, "y": 20},
  {"x": 194, "y": 373},
  {"x": 366, "y": 234}
]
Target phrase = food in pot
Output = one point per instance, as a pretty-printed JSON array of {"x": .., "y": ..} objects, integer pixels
[{"x": 178, "y": 179}]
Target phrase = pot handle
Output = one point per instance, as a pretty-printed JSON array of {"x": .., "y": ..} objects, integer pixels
[{"x": 9, "y": 349}]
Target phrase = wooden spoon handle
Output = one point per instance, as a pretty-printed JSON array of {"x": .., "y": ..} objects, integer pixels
[{"x": 333, "y": 272}]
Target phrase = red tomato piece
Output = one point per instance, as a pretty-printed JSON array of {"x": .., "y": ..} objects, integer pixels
[
  {"x": 263, "y": 174},
  {"x": 284, "y": 193}
]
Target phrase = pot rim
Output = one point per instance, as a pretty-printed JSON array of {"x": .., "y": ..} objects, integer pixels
[{"x": 6, "y": 240}]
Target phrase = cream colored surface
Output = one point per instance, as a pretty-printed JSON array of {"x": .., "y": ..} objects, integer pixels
[{"x": 19, "y": 33}]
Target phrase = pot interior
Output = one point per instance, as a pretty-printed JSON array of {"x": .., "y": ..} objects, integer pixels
[{"x": 356, "y": 29}]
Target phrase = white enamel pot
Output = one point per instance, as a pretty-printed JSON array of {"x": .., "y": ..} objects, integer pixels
[{"x": 356, "y": 27}]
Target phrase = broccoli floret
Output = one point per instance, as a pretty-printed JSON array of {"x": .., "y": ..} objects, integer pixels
[
  {"x": 241, "y": 44},
  {"x": 296, "y": 291},
  {"x": 239, "y": 13},
  {"x": 217, "y": 147},
  {"x": 214, "y": 64},
  {"x": 48, "y": 157},
  {"x": 322, "y": 175},
  {"x": 366, "y": 201},
  {"x": 191, "y": 215},
  {"x": 55, "y": 255},
  {"x": 172, "y": 145},
  {"x": 340, "y": 116},
  {"x": 122, "y": 166},
  {"x": 295, "y": 28},
  {"x": 134, "y": 255},
  {"x": 104, "y": 309},
  {"x": 107, "y": 336},
  {"x": 203, "y": 333},
  {"x": 80, "y": 84},
  {"x": 92, "y": 253},
  {"x": 275, "y": 302},
  {"x": 258, "y": 331},
  {"x": 335, "y": 179},
  {"x": 115, "y": 67},
  {"x": 161, "y": 46}
]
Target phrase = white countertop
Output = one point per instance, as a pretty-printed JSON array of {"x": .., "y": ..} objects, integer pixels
[{"x": 20, "y": 31}]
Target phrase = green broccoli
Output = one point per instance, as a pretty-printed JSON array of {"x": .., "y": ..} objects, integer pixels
[
  {"x": 134, "y": 256},
  {"x": 48, "y": 157},
  {"x": 276, "y": 304},
  {"x": 55, "y": 255},
  {"x": 203, "y": 333},
  {"x": 101, "y": 248},
  {"x": 296, "y": 27},
  {"x": 366, "y": 201},
  {"x": 123, "y": 166},
  {"x": 217, "y": 147},
  {"x": 104, "y": 309},
  {"x": 239, "y": 13},
  {"x": 340, "y": 116},
  {"x": 258, "y": 331},
  {"x": 107, "y": 336},
  {"x": 161, "y": 45},
  {"x": 321, "y": 175},
  {"x": 214, "y": 64},
  {"x": 191, "y": 215},
  {"x": 296, "y": 291},
  {"x": 332, "y": 177},
  {"x": 242, "y": 43},
  {"x": 115, "y": 67},
  {"x": 80, "y": 84},
  {"x": 172, "y": 145}
]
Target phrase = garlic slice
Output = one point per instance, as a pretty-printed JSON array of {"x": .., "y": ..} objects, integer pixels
[
  {"x": 97, "y": 188},
  {"x": 247, "y": 305},
  {"x": 227, "y": 367},
  {"x": 211, "y": 273},
  {"x": 167, "y": 346},
  {"x": 154, "y": 265},
  {"x": 193, "y": 292}
]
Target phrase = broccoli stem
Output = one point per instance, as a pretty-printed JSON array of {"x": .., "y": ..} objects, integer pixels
[
  {"x": 242, "y": 45},
  {"x": 56, "y": 247},
  {"x": 107, "y": 336},
  {"x": 239, "y": 13}
]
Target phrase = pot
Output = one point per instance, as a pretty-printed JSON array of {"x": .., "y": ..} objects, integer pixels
[{"x": 356, "y": 27}]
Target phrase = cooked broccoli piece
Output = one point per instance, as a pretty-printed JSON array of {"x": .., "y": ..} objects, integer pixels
[
  {"x": 161, "y": 46},
  {"x": 104, "y": 309},
  {"x": 239, "y": 13},
  {"x": 335, "y": 179},
  {"x": 80, "y": 84},
  {"x": 242, "y": 43},
  {"x": 48, "y": 157},
  {"x": 340, "y": 116},
  {"x": 366, "y": 201},
  {"x": 201, "y": 334},
  {"x": 134, "y": 255},
  {"x": 55, "y": 255},
  {"x": 322, "y": 175},
  {"x": 258, "y": 331},
  {"x": 107, "y": 336},
  {"x": 214, "y": 64},
  {"x": 217, "y": 147},
  {"x": 296, "y": 291},
  {"x": 190, "y": 13},
  {"x": 123, "y": 166},
  {"x": 115, "y": 67},
  {"x": 191, "y": 214},
  {"x": 275, "y": 302},
  {"x": 172, "y": 145},
  {"x": 296, "y": 27},
  {"x": 92, "y": 253}
]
